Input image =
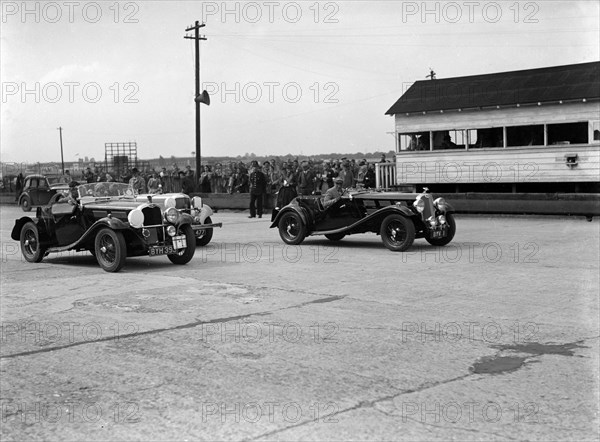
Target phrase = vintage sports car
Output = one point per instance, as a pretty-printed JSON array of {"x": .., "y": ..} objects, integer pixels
[
  {"x": 202, "y": 225},
  {"x": 106, "y": 219},
  {"x": 398, "y": 217},
  {"x": 37, "y": 191}
]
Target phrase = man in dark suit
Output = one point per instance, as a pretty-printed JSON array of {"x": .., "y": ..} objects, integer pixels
[
  {"x": 258, "y": 187},
  {"x": 306, "y": 180}
]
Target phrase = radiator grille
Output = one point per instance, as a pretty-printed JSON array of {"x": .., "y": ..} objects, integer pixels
[{"x": 152, "y": 216}]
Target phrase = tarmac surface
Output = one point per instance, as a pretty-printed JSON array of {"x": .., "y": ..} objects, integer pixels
[{"x": 493, "y": 337}]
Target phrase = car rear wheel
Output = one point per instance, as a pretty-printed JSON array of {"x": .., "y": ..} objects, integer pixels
[
  {"x": 397, "y": 233},
  {"x": 185, "y": 255},
  {"x": 30, "y": 243},
  {"x": 204, "y": 236},
  {"x": 110, "y": 249},
  {"x": 335, "y": 236},
  {"x": 291, "y": 228},
  {"x": 451, "y": 231},
  {"x": 25, "y": 204}
]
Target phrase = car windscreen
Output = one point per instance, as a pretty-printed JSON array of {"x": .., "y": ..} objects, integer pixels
[{"x": 105, "y": 190}]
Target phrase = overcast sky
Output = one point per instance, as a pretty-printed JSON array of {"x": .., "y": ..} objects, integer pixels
[{"x": 285, "y": 77}]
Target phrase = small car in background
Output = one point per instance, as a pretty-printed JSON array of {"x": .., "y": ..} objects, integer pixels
[
  {"x": 397, "y": 217},
  {"x": 106, "y": 219},
  {"x": 38, "y": 190}
]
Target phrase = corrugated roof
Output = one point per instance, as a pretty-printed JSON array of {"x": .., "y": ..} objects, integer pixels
[{"x": 575, "y": 81}]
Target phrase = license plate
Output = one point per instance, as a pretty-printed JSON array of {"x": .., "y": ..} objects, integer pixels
[
  {"x": 161, "y": 250},
  {"x": 179, "y": 242},
  {"x": 436, "y": 234}
]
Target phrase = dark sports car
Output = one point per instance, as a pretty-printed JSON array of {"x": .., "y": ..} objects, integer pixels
[
  {"x": 107, "y": 221},
  {"x": 398, "y": 217}
]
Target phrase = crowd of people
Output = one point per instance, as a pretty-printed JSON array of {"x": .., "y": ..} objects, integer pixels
[{"x": 304, "y": 177}]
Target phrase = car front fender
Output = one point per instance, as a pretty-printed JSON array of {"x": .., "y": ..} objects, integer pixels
[
  {"x": 296, "y": 209},
  {"x": 16, "y": 231},
  {"x": 205, "y": 212},
  {"x": 113, "y": 223}
]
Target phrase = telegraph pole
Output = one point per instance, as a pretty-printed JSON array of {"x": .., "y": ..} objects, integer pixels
[
  {"x": 62, "y": 160},
  {"x": 198, "y": 98}
]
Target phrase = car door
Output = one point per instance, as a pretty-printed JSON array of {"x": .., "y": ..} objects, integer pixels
[
  {"x": 44, "y": 192},
  {"x": 33, "y": 190},
  {"x": 339, "y": 215}
]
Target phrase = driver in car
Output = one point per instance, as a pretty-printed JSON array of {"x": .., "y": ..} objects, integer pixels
[
  {"x": 72, "y": 196},
  {"x": 334, "y": 194}
]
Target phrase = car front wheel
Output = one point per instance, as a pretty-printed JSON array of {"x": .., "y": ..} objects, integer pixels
[
  {"x": 30, "y": 243},
  {"x": 185, "y": 255},
  {"x": 291, "y": 228},
  {"x": 204, "y": 236},
  {"x": 25, "y": 204},
  {"x": 110, "y": 249},
  {"x": 397, "y": 233},
  {"x": 451, "y": 231}
]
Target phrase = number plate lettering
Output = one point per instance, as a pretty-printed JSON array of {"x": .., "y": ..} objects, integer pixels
[{"x": 161, "y": 250}]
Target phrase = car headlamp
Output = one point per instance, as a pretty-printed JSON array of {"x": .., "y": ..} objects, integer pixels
[
  {"x": 419, "y": 204},
  {"x": 442, "y": 219},
  {"x": 171, "y": 230},
  {"x": 197, "y": 202},
  {"x": 171, "y": 215},
  {"x": 170, "y": 202},
  {"x": 136, "y": 218},
  {"x": 440, "y": 204}
]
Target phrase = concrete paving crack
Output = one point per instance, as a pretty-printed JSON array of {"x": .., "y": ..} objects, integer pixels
[
  {"x": 168, "y": 329},
  {"x": 362, "y": 404}
]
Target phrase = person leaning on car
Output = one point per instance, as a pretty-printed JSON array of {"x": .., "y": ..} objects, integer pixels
[{"x": 334, "y": 194}]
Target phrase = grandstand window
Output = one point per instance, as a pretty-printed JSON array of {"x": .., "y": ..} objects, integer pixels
[{"x": 525, "y": 135}]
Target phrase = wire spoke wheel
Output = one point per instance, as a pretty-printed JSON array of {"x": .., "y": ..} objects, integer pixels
[
  {"x": 30, "y": 243},
  {"x": 110, "y": 249},
  {"x": 397, "y": 233},
  {"x": 291, "y": 228}
]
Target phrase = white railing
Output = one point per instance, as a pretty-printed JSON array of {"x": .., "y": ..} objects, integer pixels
[{"x": 385, "y": 175}]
